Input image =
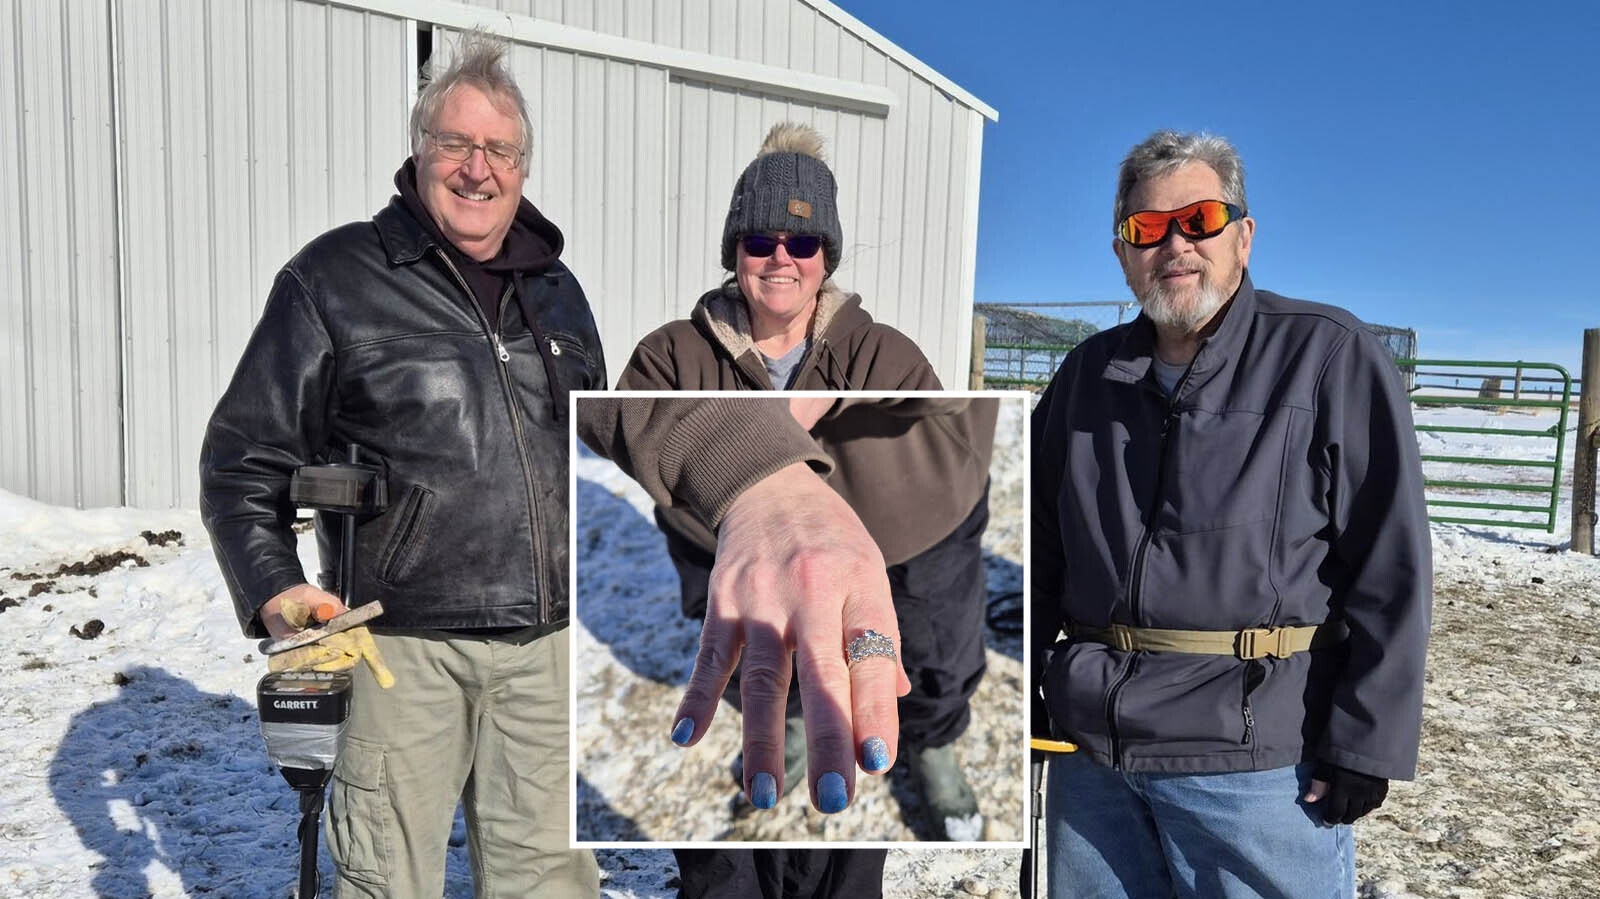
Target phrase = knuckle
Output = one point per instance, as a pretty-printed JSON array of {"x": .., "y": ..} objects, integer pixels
[{"x": 762, "y": 681}]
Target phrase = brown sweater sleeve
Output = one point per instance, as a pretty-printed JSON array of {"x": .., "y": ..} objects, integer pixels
[{"x": 697, "y": 452}]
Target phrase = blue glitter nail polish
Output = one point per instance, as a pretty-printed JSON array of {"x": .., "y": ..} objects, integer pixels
[
  {"x": 831, "y": 794},
  {"x": 874, "y": 754},
  {"x": 682, "y": 731},
  {"x": 763, "y": 791}
]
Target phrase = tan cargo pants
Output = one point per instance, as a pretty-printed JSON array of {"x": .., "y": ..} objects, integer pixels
[{"x": 476, "y": 720}]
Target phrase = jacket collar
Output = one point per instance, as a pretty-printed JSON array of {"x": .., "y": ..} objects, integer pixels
[
  {"x": 724, "y": 318},
  {"x": 1131, "y": 359},
  {"x": 404, "y": 238},
  {"x": 723, "y": 314}
]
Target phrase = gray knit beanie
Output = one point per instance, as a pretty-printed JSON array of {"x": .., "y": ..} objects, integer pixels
[{"x": 787, "y": 187}]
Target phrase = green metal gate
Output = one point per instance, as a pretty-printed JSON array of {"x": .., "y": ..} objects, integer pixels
[{"x": 1545, "y": 484}]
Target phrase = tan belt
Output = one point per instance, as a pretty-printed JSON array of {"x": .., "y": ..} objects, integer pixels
[{"x": 1250, "y": 643}]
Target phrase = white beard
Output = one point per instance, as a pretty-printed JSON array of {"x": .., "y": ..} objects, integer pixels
[{"x": 1179, "y": 310}]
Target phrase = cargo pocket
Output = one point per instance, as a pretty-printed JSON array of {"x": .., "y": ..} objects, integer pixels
[
  {"x": 359, "y": 814},
  {"x": 411, "y": 526}
]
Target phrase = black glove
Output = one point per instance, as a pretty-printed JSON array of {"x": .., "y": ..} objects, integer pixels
[
  {"x": 1351, "y": 794},
  {"x": 1039, "y": 715}
]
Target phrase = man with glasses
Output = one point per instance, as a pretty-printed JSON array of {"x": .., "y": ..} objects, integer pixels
[
  {"x": 1230, "y": 565},
  {"x": 441, "y": 338}
]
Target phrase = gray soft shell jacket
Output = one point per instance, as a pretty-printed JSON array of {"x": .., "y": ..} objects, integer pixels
[{"x": 1280, "y": 485}]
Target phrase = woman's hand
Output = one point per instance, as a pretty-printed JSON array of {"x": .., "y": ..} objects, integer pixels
[{"x": 796, "y": 572}]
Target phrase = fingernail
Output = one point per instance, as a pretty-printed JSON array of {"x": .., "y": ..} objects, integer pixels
[
  {"x": 682, "y": 731},
  {"x": 831, "y": 795},
  {"x": 763, "y": 791},
  {"x": 874, "y": 754}
]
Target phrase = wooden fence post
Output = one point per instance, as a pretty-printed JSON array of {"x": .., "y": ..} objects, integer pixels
[
  {"x": 1587, "y": 447},
  {"x": 979, "y": 344}
]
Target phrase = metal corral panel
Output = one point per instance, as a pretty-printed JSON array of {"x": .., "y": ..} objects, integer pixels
[
  {"x": 246, "y": 130},
  {"x": 59, "y": 420}
]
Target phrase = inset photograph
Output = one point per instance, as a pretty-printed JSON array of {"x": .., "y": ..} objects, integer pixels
[{"x": 806, "y": 625}]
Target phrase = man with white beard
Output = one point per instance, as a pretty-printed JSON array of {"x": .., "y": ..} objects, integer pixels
[{"x": 1230, "y": 565}]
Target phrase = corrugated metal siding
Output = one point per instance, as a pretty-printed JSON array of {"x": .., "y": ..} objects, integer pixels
[
  {"x": 248, "y": 129},
  {"x": 903, "y": 180},
  {"x": 59, "y": 419},
  {"x": 244, "y": 129}
]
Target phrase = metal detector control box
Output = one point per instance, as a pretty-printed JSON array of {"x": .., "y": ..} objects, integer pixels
[
  {"x": 348, "y": 487},
  {"x": 303, "y": 715}
]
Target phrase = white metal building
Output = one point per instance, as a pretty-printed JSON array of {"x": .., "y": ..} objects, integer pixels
[{"x": 162, "y": 159}]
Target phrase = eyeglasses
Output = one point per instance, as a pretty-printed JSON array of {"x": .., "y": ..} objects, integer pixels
[
  {"x": 458, "y": 148},
  {"x": 1197, "y": 221},
  {"x": 800, "y": 246}
]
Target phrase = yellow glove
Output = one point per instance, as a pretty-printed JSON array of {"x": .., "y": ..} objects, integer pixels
[
  {"x": 336, "y": 652},
  {"x": 299, "y": 613}
]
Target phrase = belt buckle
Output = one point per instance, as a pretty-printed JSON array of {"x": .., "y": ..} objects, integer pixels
[
  {"x": 1121, "y": 637},
  {"x": 1251, "y": 643}
]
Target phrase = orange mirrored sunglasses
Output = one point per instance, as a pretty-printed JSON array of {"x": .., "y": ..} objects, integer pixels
[{"x": 1197, "y": 221}]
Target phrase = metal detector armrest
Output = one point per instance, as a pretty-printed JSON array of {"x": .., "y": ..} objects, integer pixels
[{"x": 350, "y": 487}]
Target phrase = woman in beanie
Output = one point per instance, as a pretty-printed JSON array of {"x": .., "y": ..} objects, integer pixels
[{"x": 779, "y": 322}]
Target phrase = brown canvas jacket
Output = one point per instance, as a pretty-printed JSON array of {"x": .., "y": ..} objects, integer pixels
[{"x": 910, "y": 491}]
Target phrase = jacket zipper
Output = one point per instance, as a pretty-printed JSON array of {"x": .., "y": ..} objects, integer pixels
[
  {"x": 1111, "y": 708},
  {"x": 535, "y": 533},
  {"x": 1136, "y": 569}
]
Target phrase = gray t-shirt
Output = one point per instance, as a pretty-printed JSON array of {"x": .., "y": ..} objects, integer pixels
[
  {"x": 783, "y": 369},
  {"x": 1167, "y": 375}
]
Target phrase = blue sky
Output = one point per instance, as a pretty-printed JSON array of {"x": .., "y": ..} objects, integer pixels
[{"x": 1410, "y": 160}]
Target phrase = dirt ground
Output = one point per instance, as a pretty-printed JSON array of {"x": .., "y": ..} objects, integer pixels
[{"x": 1506, "y": 803}]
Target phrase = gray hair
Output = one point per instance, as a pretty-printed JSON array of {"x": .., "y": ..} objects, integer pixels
[
  {"x": 1165, "y": 151},
  {"x": 481, "y": 62}
]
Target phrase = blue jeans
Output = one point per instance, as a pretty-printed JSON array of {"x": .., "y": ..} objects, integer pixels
[{"x": 1149, "y": 836}]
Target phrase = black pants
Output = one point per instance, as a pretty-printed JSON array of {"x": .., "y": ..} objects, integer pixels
[
  {"x": 939, "y": 604},
  {"x": 780, "y": 873}
]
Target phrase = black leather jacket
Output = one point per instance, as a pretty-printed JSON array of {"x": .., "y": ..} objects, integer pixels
[{"x": 370, "y": 335}]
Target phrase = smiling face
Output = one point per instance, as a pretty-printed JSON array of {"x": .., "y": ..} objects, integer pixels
[
  {"x": 780, "y": 290},
  {"x": 472, "y": 204},
  {"x": 1181, "y": 283}
]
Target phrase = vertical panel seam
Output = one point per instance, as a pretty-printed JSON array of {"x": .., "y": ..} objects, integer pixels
[
  {"x": 288, "y": 114},
  {"x": 252, "y": 156},
  {"x": 927, "y": 208},
  {"x": 213, "y": 306},
  {"x": 172, "y": 267},
  {"x": 667, "y": 160},
  {"x": 119, "y": 250},
  {"x": 329, "y": 210},
  {"x": 74, "y": 292},
  {"x": 24, "y": 231}
]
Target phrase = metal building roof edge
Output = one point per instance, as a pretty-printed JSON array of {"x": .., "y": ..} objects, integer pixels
[
  {"x": 903, "y": 56},
  {"x": 872, "y": 98}
]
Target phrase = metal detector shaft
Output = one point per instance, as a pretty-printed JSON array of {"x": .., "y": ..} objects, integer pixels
[
  {"x": 1030, "y": 861},
  {"x": 347, "y": 554},
  {"x": 310, "y": 817}
]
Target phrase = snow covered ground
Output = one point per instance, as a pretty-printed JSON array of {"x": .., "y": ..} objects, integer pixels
[{"x": 132, "y": 765}]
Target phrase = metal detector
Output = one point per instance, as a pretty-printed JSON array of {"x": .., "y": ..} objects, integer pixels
[
  {"x": 1038, "y": 748},
  {"x": 303, "y": 713}
]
